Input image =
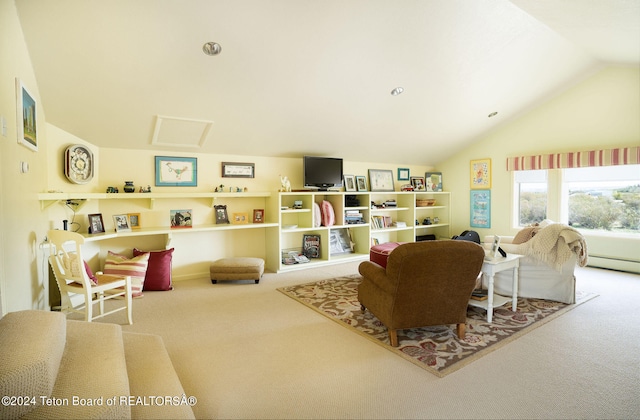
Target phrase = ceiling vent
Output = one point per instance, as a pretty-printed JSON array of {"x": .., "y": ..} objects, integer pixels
[{"x": 180, "y": 132}]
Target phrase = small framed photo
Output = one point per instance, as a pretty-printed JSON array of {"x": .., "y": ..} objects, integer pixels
[
  {"x": 417, "y": 182},
  {"x": 493, "y": 254},
  {"x": 403, "y": 174},
  {"x": 240, "y": 218},
  {"x": 222, "y": 217},
  {"x": 480, "y": 174},
  {"x": 258, "y": 216},
  {"x": 134, "y": 220},
  {"x": 181, "y": 218},
  {"x": 95, "y": 223},
  {"x": 433, "y": 181},
  {"x": 238, "y": 170},
  {"x": 361, "y": 183},
  {"x": 381, "y": 180},
  {"x": 176, "y": 171},
  {"x": 349, "y": 183},
  {"x": 121, "y": 222}
]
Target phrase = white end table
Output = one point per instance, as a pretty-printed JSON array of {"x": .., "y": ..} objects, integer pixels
[{"x": 489, "y": 268}]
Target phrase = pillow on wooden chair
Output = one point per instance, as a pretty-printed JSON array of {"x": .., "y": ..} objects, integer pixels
[{"x": 135, "y": 267}]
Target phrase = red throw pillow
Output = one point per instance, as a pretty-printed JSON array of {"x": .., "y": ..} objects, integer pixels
[
  {"x": 328, "y": 216},
  {"x": 158, "y": 275}
]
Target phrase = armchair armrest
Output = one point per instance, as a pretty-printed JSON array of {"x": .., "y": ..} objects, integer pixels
[{"x": 376, "y": 274}]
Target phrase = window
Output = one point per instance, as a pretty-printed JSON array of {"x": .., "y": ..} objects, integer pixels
[
  {"x": 531, "y": 196},
  {"x": 605, "y": 198}
]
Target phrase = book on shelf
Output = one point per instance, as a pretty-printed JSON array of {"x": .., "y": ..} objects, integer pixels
[
  {"x": 381, "y": 222},
  {"x": 479, "y": 294}
]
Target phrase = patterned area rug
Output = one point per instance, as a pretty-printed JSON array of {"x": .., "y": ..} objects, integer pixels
[{"x": 436, "y": 349}]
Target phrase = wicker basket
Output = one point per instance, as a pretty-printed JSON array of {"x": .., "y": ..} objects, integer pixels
[{"x": 425, "y": 202}]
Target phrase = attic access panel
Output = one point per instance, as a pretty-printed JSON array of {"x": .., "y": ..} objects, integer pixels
[{"x": 180, "y": 132}]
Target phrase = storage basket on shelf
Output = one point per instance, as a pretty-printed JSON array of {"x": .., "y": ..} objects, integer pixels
[{"x": 425, "y": 202}]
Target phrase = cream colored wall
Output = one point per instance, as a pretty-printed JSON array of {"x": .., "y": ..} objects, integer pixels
[
  {"x": 22, "y": 225},
  {"x": 599, "y": 112}
]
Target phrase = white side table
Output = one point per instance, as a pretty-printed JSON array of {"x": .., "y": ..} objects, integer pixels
[{"x": 489, "y": 269}]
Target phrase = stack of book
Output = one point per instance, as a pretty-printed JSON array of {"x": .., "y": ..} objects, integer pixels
[
  {"x": 353, "y": 217},
  {"x": 479, "y": 294}
]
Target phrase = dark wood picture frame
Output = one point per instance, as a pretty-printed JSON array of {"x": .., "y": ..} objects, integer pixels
[
  {"x": 222, "y": 217},
  {"x": 96, "y": 225}
]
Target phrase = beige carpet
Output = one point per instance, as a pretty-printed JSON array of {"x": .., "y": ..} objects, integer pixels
[{"x": 436, "y": 349}]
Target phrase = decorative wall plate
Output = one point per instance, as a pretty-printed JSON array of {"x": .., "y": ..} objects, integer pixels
[{"x": 78, "y": 164}]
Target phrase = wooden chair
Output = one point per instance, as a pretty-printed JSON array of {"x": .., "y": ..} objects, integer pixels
[
  {"x": 424, "y": 284},
  {"x": 72, "y": 278}
]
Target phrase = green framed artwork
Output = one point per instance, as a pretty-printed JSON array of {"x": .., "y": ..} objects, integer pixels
[{"x": 480, "y": 211}]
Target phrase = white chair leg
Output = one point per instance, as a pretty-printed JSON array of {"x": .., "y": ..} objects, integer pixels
[
  {"x": 88, "y": 308},
  {"x": 100, "y": 297}
]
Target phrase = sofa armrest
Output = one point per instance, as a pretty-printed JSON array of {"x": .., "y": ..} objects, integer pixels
[{"x": 376, "y": 274}]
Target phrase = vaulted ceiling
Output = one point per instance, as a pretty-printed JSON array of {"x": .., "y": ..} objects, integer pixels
[{"x": 298, "y": 77}]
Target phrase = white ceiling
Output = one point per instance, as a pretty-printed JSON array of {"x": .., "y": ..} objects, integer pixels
[{"x": 300, "y": 77}]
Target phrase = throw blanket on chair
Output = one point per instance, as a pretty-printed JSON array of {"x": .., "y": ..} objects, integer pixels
[{"x": 554, "y": 244}]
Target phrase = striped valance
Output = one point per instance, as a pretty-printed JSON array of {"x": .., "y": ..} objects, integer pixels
[{"x": 605, "y": 157}]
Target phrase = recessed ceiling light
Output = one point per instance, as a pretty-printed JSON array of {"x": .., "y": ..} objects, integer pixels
[
  {"x": 212, "y": 48},
  {"x": 493, "y": 114},
  {"x": 397, "y": 91}
]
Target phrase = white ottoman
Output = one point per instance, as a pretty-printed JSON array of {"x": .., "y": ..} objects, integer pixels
[{"x": 237, "y": 268}]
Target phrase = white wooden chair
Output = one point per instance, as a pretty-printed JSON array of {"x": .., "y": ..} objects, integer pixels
[{"x": 71, "y": 276}]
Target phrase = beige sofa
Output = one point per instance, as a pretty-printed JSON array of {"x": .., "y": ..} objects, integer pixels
[
  {"x": 550, "y": 252},
  {"x": 54, "y": 368}
]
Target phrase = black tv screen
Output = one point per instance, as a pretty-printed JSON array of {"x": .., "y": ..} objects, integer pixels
[{"x": 322, "y": 172}]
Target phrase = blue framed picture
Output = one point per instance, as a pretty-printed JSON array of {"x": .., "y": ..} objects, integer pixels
[
  {"x": 403, "y": 174},
  {"x": 176, "y": 171},
  {"x": 480, "y": 209}
]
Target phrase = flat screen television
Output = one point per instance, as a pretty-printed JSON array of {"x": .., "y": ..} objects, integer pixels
[{"x": 322, "y": 172}]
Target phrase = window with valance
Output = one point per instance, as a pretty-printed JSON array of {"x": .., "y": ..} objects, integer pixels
[{"x": 604, "y": 157}]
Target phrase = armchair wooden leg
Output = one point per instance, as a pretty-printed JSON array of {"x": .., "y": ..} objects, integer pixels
[
  {"x": 393, "y": 337},
  {"x": 461, "y": 330}
]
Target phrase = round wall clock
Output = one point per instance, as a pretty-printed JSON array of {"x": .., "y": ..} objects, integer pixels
[{"x": 78, "y": 164}]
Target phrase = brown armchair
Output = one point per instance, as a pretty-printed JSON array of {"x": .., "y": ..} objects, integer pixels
[{"x": 425, "y": 283}]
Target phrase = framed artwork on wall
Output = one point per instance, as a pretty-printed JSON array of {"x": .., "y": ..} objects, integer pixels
[
  {"x": 480, "y": 173},
  {"x": 176, "y": 171},
  {"x": 238, "y": 170},
  {"x": 403, "y": 174},
  {"x": 381, "y": 180},
  {"x": 480, "y": 211},
  {"x": 26, "y": 115}
]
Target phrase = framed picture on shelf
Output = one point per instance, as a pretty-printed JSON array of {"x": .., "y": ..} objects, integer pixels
[
  {"x": 403, "y": 174},
  {"x": 417, "y": 182},
  {"x": 181, "y": 218},
  {"x": 381, "y": 180},
  {"x": 238, "y": 170},
  {"x": 96, "y": 224},
  {"x": 222, "y": 216},
  {"x": 26, "y": 124},
  {"x": 311, "y": 246},
  {"x": 349, "y": 183},
  {"x": 176, "y": 171},
  {"x": 240, "y": 218},
  {"x": 121, "y": 222},
  {"x": 433, "y": 181},
  {"x": 134, "y": 220},
  {"x": 258, "y": 216},
  {"x": 361, "y": 183},
  {"x": 480, "y": 173},
  {"x": 480, "y": 209}
]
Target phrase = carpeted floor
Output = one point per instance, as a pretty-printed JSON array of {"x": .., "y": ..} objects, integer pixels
[{"x": 436, "y": 349}]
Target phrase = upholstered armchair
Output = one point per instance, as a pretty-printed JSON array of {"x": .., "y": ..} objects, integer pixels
[{"x": 424, "y": 284}]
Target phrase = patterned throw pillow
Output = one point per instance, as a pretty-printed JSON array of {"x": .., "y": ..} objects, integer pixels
[
  {"x": 317, "y": 215},
  {"x": 71, "y": 264},
  {"x": 158, "y": 275},
  {"x": 136, "y": 267}
]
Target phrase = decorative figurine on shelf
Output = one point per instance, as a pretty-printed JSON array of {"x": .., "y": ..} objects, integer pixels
[
  {"x": 129, "y": 187},
  {"x": 145, "y": 190},
  {"x": 220, "y": 188},
  {"x": 285, "y": 185}
]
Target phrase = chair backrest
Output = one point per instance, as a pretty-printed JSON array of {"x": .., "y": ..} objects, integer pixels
[
  {"x": 433, "y": 278},
  {"x": 68, "y": 265}
]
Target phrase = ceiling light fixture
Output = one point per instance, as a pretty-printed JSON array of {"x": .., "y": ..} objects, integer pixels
[
  {"x": 397, "y": 91},
  {"x": 212, "y": 48},
  {"x": 493, "y": 114}
]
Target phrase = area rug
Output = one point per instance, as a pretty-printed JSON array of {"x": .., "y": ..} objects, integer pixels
[{"x": 435, "y": 349}]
